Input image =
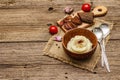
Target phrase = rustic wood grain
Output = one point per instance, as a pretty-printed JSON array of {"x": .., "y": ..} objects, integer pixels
[
  {"x": 24, "y": 33},
  {"x": 29, "y": 63},
  {"x": 10, "y": 52},
  {"x": 26, "y": 20},
  {"x": 34, "y": 13}
]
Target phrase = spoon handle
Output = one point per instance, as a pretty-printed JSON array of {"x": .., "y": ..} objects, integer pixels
[
  {"x": 103, "y": 43},
  {"x": 102, "y": 52},
  {"x": 105, "y": 57}
]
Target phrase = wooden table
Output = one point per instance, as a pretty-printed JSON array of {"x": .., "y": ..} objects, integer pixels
[{"x": 24, "y": 34}]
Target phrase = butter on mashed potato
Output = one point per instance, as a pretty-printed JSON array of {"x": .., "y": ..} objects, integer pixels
[{"x": 79, "y": 44}]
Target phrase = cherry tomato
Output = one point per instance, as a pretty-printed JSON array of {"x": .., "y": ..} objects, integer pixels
[
  {"x": 53, "y": 29},
  {"x": 86, "y": 7}
]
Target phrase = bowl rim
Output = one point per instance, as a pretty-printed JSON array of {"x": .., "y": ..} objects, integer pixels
[{"x": 84, "y": 52}]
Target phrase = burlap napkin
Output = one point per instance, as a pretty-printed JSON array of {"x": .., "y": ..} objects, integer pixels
[{"x": 54, "y": 49}]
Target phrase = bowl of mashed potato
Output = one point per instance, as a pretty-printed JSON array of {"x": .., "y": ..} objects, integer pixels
[{"x": 79, "y": 43}]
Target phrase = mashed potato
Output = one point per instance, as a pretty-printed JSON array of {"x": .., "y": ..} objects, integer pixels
[{"x": 79, "y": 44}]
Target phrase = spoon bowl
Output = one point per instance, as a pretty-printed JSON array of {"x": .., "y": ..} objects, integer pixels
[{"x": 105, "y": 29}]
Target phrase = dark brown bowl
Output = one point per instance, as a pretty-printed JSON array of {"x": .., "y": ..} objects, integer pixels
[{"x": 79, "y": 31}]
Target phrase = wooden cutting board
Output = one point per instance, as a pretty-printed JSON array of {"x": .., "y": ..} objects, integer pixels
[{"x": 98, "y": 11}]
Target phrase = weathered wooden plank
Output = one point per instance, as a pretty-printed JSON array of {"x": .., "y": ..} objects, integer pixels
[
  {"x": 56, "y": 72},
  {"x": 28, "y": 53},
  {"x": 23, "y": 53},
  {"x": 26, "y": 17},
  {"x": 36, "y": 3},
  {"x": 39, "y": 3},
  {"x": 24, "y": 33}
]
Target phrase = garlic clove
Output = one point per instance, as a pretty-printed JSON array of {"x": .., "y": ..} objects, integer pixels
[
  {"x": 68, "y": 10},
  {"x": 58, "y": 38}
]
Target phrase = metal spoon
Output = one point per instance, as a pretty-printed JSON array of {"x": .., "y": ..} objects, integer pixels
[
  {"x": 106, "y": 31},
  {"x": 99, "y": 34}
]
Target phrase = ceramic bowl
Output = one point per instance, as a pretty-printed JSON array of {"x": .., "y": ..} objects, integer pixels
[{"x": 84, "y": 32}]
